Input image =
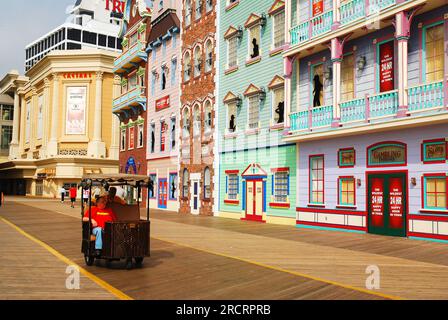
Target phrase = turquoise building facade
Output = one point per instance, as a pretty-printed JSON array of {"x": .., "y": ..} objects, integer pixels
[{"x": 257, "y": 171}]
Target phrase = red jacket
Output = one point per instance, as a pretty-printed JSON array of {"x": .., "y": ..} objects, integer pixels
[
  {"x": 73, "y": 191},
  {"x": 101, "y": 216}
]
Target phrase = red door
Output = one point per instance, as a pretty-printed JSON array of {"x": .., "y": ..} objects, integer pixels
[{"x": 163, "y": 194}]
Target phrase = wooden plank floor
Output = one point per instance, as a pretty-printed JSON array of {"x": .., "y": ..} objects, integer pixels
[
  {"x": 174, "y": 271},
  {"x": 28, "y": 271}
]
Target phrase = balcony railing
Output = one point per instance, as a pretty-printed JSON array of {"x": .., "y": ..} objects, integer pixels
[
  {"x": 133, "y": 54},
  {"x": 349, "y": 12},
  {"x": 353, "y": 110},
  {"x": 318, "y": 117},
  {"x": 425, "y": 96},
  {"x": 136, "y": 96},
  {"x": 383, "y": 104}
]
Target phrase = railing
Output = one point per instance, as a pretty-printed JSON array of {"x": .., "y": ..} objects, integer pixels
[
  {"x": 352, "y": 11},
  {"x": 425, "y": 96},
  {"x": 376, "y": 5},
  {"x": 300, "y": 33},
  {"x": 299, "y": 120},
  {"x": 353, "y": 110},
  {"x": 129, "y": 97},
  {"x": 321, "y": 116},
  {"x": 129, "y": 54},
  {"x": 383, "y": 104},
  {"x": 322, "y": 23}
]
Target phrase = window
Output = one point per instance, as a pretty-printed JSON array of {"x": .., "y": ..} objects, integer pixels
[
  {"x": 173, "y": 133},
  {"x": 347, "y": 78},
  {"x": 346, "y": 191},
  {"x": 231, "y": 117},
  {"x": 133, "y": 81},
  {"x": 280, "y": 186},
  {"x": 434, "y": 53},
  {"x": 208, "y": 116},
  {"x": 163, "y": 128},
  {"x": 173, "y": 71},
  {"x": 317, "y": 88},
  {"x": 254, "y": 111},
  {"x": 254, "y": 42},
  {"x": 197, "y": 61},
  {"x": 198, "y": 9},
  {"x": 279, "y": 29},
  {"x": 123, "y": 140},
  {"x": 153, "y": 82},
  {"x": 185, "y": 180},
  {"x": 186, "y": 123},
  {"x": 232, "y": 186},
  {"x": 7, "y": 113},
  {"x": 6, "y": 137},
  {"x": 278, "y": 105},
  {"x": 152, "y": 186},
  {"x": 207, "y": 187},
  {"x": 196, "y": 121},
  {"x": 140, "y": 136},
  {"x": 89, "y": 37},
  {"x": 173, "y": 187},
  {"x": 187, "y": 66},
  {"x": 232, "y": 57},
  {"x": 153, "y": 138},
  {"x": 435, "y": 192},
  {"x": 187, "y": 12},
  {"x": 208, "y": 56},
  {"x": 317, "y": 179},
  {"x": 163, "y": 78},
  {"x": 208, "y": 5}
]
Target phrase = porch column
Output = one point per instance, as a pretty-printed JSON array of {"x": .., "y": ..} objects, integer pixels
[
  {"x": 46, "y": 117},
  {"x": 336, "y": 58},
  {"x": 52, "y": 148},
  {"x": 96, "y": 147},
  {"x": 114, "y": 152},
  {"x": 288, "y": 66},
  {"x": 14, "y": 146},
  {"x": 33, "y": 119},
  {"x": 402, "y": 27},
  {"x": 336, "y": 14}
]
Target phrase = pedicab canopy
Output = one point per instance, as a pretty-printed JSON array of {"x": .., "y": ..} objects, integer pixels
[{"x": 117, "y": 179}]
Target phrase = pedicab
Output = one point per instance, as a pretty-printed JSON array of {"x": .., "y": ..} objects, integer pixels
[{"x": 127, "y": 238}]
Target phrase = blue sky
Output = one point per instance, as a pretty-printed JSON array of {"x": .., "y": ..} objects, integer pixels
[{"x": 23, "y": 21}]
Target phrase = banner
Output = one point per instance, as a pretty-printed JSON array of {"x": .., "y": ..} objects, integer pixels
[
  {"x": 377, "y": 202},
  {"x": 386, "y": 59},
  {"x": 163, "y": 103},
  {"x": 131, "y": 137},
  {"x": 76, "y": 111},
  {"x": 396, "y": 203},
  {"x": 318, "y": 7}
]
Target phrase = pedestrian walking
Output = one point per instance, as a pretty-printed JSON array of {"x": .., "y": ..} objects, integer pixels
[
  {"x": 62, "y": 192},
  {"x": 73, "y": 193},
  {"x": 85, "y": 195}
]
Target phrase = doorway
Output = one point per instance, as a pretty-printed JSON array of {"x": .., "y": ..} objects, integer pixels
[
  {"x": 387, "y": 203},
  {"x": 254, "y": 200},
  {"x": 195, "y": 193},
  {"x": 163, "y": 194}
]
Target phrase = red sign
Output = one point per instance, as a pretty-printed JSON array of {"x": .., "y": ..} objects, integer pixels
[
  {"x": 77, "y": 75},
  {"x": 162, "y": 137},
  {"x": 318, "y": 7},
  {"x": 131, "y": 137},
  {"x": 387, "y": 66},
  {"x": 163, "y": 103},
  {"x": 377, "y": 202},
  {"x": 115, "y": 6},
  {"x": 396, "y": 203}
]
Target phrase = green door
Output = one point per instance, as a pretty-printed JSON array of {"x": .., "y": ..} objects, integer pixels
[{"x": 387, "y": 204}]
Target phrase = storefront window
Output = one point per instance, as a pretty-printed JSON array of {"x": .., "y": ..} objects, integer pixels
[
  {"x": 7, "y": 113},
  {"x": 346, "y": 191},
  {"x": 152, "y": 186},
  {"x": 207, "y": 188},
  {"x": 6, "y": 137},
  {"x": 173, "y": 186},
  {"x": 185, "y": 180},
  {"x": 317, "y": 179},
  {"x": 232, "y": 187},
  {"x": 435, "y": 192},
  {"x": 281, "y": 187}
]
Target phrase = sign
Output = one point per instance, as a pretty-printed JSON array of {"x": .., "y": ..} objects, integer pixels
[
  {"x": 131, "y": 137},
  {"x": 387, "y": 66},
  {"x": 318, "y": 7},
  {"x": 75, "y": 123},
  {"x": 347, "y": 158},
  {"x": 162, "y": 136},
  {"x": 77, "y": 75},
  {"x": 377, "y": 202},
  {"x": 435, "y": 151},
  {"x": 131, "y": 164},
  {"x": 387, "y": 154},
  {"x": 163, "y": 103},
  {"x": 116, "y": 6},
  {"x": 395, "y": 203}
]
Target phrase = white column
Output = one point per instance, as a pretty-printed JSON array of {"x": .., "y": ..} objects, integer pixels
[
  {"x": 14, "y": 146},
  {"x": 52, "y": 148},
  {"x": 402, "y": 29},
  {"x": 46, "y": 117},
  {"x": 97, "y": 148},
  {"x": 33, "y": 119},
  {"x": 114, "y": 152}
]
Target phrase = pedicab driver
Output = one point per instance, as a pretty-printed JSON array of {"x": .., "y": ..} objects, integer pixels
[{"x": 101, "y": 214}]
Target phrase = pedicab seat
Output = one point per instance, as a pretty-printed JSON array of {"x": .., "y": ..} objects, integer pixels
[{"x": 126, "y": 213}]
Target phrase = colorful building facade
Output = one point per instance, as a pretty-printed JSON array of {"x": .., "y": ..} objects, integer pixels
[
  {"x": 197, "y": 161},
  {"x": 257, "y": 169},
  {"x": 130, "y": 103},
  {"x": 368, "y": 111},
  {"x": 163, "y": 104}
]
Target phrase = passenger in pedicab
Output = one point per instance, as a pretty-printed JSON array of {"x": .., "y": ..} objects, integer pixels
[
  {"x": 101, "y": 213},
  {"x": 113, "y": 198}
]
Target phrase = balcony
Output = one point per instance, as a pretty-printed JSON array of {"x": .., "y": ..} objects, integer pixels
[
  {"x": 425, "y": 106},
  {"x": 131, "y": 100},
  {"x": 130, "y": 58}
]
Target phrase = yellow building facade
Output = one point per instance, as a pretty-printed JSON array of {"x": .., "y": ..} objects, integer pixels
[{"x": 65, "y": 125}]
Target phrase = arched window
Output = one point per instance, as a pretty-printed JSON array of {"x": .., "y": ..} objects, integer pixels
[
  {"x": 187, "y": 12},
  {"x": 207, "y": 187},
  {"x": 186, "y": 123},
  {"x": 196, "y": 121},
  {"x": 185, "y": 179},
  {"x": 208, "y": 116},
  {"x": 208, "y": 55},
  {"x": 197, "y": 61},
  {"x": 187, "y": 66}
]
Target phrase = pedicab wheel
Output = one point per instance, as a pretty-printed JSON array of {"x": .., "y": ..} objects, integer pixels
[
  {"x": 89, "y": 260},
  {"x": 138, "y": 261},
  {"x": 129, "y": 264}
]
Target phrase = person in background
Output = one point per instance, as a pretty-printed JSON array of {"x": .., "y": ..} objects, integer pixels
[
  {"x": 100, "y": 214},
  {"x": 95, "y": 193},
  {"x": 73, "y": 193},
  {"x": 113, "y": 198},
  {"x": 62, "y": 192},
  {"x": 121, "y": 192},
  {"x": 85, "y": 195}
]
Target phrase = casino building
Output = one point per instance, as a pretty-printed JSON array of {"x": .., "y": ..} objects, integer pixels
[
  {"x": 368, "y": 86},
  {"x": 130, "y": 103}
]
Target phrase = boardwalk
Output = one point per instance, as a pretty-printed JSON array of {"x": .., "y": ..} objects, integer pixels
[{"x": 215, "y": 258}]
